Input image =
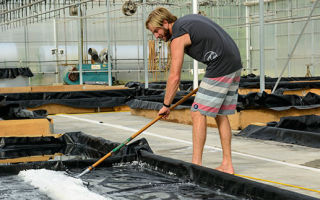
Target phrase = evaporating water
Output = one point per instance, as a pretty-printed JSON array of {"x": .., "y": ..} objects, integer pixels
[
  {"x": 126, "y": 181},
  {"x": 136, "y": 181},
  {"x": 13, "y": 188},
  {"x": 133, "y": 181}
]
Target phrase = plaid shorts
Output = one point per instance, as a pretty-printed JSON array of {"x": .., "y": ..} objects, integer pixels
[{"x": 217, "y": 96}]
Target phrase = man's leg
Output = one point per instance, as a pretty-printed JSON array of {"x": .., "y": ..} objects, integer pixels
[
  {"x": 199, "y": 133},
  {"x": 225, "y": 137}
]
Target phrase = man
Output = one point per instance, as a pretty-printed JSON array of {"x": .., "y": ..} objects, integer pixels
[{"x": 205, "y": 41}]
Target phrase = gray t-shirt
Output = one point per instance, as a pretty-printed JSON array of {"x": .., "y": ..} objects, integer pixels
[{"x": 211, "y": 45}]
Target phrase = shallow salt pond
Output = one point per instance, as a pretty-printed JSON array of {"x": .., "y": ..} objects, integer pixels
[{"x": 124, "y": 181}]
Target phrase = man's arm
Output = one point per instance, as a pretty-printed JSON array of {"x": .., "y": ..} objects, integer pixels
[{"x": 177, "y": 54}]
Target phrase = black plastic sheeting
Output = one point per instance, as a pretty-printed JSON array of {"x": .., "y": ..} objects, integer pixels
[
  {"x": 155, "y": 102},
  {"x": 254, "y": 78},
  {"x": 277, "y": 102},
  {"x": 152, "y": 98},
  {"x": 78, "y": 148},
  {"x": 78, "y": 99},
  {"x": 133, "y": 173},
  {"x": 15, "y": 111},
  {"x": 300, "y": 130},
  {"x": 137, "y": 96},
  {"x": 254, "y": 100},
  {"x": 14, "y": 72},
  {"x": 226, "y": 183},
  {"x": 76, "y": 139},
  {"x": 160, "y": 85},
  {"x": 138, "y": 180},
  {"x": 248, "y": 81},
  {"x": 252, "y": 81}
]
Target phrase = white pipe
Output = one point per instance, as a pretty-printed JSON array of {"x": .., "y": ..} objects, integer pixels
[
  {"x": 248, "y": 39},
  {"x": 261, "y": 39},
  {"x": 275, "y": 44},
  {"x": 253, "y": 3},
  {"x": 26, "y": 47},
  {"x": 312, "y": 47},
  {"x": 55, "y": 32},
  {"x": 195, "y": 63},
  {"x": 80, "y": 46},
  {"x": 43, "y": 13},
  {"x": 145, "y": 51},
  {"x": 109, "y": 45}
]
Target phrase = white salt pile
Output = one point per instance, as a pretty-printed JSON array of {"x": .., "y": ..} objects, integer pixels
[{"x": 58, "y": 186}]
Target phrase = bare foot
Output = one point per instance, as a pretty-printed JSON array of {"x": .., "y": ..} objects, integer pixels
[
  {"x": 225, "y": 169},
  {"x": 197, "y": 163}
]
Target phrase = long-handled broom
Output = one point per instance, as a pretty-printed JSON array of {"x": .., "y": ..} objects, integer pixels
[{"x": 134, "y": 135}]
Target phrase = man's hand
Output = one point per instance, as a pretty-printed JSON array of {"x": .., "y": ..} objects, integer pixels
[{"x": 164, "y": 112}]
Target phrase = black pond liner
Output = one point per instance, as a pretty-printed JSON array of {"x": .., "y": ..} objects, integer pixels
[
  {"x": 137, "y": 96},
  {"x": 132, "y": 173},
  {"x": 14, "y": 72},
  {"x": 300, "y": 130},
  {"x": 78, "y": 99},
  {"x": 286, "y": 83},
  {"x": 275, "y": 102},
  {"x": 155, "y": 101},
  {"x": 249, "y": 81},
  {"x": 15, "y": 111}
]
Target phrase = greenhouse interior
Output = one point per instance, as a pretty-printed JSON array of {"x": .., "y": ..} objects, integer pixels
[
  {"x": 53, "y": 37},
  {"x": 81, "y": 79}
]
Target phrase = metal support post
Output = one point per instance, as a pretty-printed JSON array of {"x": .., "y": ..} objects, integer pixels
[
  {"x": 109, "y": 45},
  {"x": 195, "y": 63},
  {"x": 145, "y": 51},
  {"x": 248, "y": 45},
  {"x": 261, "y": 39},
  {"x": 79, "y": 44},
  {"x": 295, "y": 45},
  {"x": 55, "y": 28}
]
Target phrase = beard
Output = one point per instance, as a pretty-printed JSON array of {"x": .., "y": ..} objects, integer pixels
[{"x": 167, "y": 34}]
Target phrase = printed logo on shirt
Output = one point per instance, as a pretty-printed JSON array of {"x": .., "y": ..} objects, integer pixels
[
  {"x": 195, "y": 106},
  {"x": 210, "y": 55}
]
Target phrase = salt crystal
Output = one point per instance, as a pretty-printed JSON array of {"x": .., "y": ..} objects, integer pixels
[{"x": 58, "y": 186}]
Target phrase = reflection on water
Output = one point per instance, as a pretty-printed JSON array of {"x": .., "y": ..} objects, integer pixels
[
  {"x": 129, "y": 181},
  {"x": 47, "y": 153},
  {"x": 135, "y": 181},
  {"x": 13, "y": 188}
]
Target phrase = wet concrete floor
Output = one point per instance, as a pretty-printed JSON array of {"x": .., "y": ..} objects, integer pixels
[{"x": 280, "y": 163}]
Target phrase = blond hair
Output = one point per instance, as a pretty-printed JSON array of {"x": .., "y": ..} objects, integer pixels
[{"x": 157, "y": 16}]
